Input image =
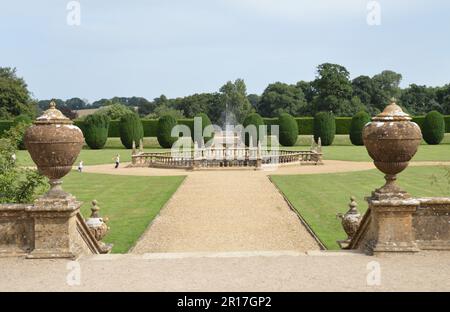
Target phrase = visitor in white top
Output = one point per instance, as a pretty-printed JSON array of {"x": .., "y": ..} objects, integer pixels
[
  {"x": 80, "y": 166},
  {"x": 117, "y": 161}
]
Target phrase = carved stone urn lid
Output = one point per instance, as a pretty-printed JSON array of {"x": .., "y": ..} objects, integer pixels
[
  {"x": 53, "y": 116},
  {"x": 392, "y": 112}
]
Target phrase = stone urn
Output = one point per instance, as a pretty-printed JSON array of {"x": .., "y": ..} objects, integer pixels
[
  {"x": 350, "y": 222},
  {"x": 54, "y": 144},
  {"x": 391, "y": 140}
]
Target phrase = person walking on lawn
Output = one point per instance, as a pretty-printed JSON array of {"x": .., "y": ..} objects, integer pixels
[{"x": 117, "y": 160}]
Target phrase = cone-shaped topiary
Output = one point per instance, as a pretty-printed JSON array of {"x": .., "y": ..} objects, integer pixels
[
  {"x": 324, "y": 128},
  {"x": 199, "y": 137},
  {"x": 433, "y": 128},
  {"x": 164, "y": 131},
  {"x": 130, "y": 128},
  {"x": 95, "y": 132},
  {"x": 288, "y": 130},
  {"x": 358, "y": 122},
  {"x": 255, "y": 120}
]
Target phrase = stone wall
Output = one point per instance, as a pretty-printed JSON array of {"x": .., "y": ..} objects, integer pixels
[
  {"x": 50, "y": 228},
  {"x": 404, "y": 226}
]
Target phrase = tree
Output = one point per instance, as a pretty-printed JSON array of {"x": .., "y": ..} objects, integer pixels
[
  {"x": 256, "y": 120},
  {"x": 433, "y": 128},
  {"x": 288, "y": 130},
  {"x": 114, "y": 111},
  {"x": 308, "y": 90},
  {"x": 235, "y": 101},
  {"x": 95, "y": 132},
  {"x": 163, "y": 110},
  {"x": 356, "y": 127},
  {"x": 254, "y": 100},
  {"x": 386, "y": 86},
  {"x": 281, "y": 98},
  {"x": 363, "y": 88},
  {"x": 15, "y": 99},
  {"x": 131, "y": 129},
  {"x": 419, "y": 100},
  {"x": 199, "y": 137},
  {"x": 75, "y": 104},
  {"x": 164, "y": 131},
  {"x": 324, "y": 128},
  {"x": 193, "y": 105},
  {"x": 334, "y": 89}
]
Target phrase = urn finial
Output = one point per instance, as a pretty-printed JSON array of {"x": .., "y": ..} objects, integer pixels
[
  {"x": 54, "y": 144},
  {"x": 391, "y": 140}
]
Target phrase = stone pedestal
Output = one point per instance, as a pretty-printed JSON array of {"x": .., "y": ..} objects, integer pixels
[
  {"x": 55, "y": 228},
  {"x": 392, "y": 225}
]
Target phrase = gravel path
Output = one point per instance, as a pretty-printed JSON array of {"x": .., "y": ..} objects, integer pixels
[
  {"x": 221, "y": 211},
  {"x": 314, "y": 272},
  {"x": 330, "y": 166}
]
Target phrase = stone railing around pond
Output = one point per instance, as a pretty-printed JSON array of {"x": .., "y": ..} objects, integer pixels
[{"x": 236, "y": 157}]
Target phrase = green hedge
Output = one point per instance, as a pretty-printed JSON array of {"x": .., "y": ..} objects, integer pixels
[
  {"x": 343, "y": 125},
  {"x": 5, "y": 125},
  {"x": 150, "y": 127},
  {"x": 305, "y": 125}
]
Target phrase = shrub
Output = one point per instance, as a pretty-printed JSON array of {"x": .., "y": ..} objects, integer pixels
[
  {"x": 5, "y": 125},
  {"x": 17, "y": 184},
  {"x": 324, "y": 128},
  {"x": 114, "y": 111},
  {"x": 433, "y": 128},
  {"x": 15, "y": 135},
  {"x": 96, "y": 130},
  {"x": 200, "y": 136},
  {"x": 356, "y": 127},
  {"x": 256, "y": 120},
  {"x": 288, "y": 130},
  {"x": 164, "y": 131},
  {"x": 22, "y": 119},
  {"x": 130, "y": 130}
]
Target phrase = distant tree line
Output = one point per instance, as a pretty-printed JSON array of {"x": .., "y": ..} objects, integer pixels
[{"x": 332, "y": 91}]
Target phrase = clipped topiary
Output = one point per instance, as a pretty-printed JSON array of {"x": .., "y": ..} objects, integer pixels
[
  {"x": 256, "y": 120},
  {"x": 95, "y": 130},
  {"x": 130, "y": 128},
  {"x": 164, "y": 131},
  {"x": 433, "y": 128},
  {"x": 324, "y": 128},
  {"x": 199, "y": 137},
  {"x": 288, "y": 130},
  {"x": 358, "y": 122}
]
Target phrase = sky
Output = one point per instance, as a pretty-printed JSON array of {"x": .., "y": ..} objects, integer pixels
[{"x": 178, "y": 47}]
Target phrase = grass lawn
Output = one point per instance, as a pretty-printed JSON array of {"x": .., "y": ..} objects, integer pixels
[
  {"x": 319, "y": 198},
  {"x": 129, "y": 202},
  {"x": 99, "y": 157}
]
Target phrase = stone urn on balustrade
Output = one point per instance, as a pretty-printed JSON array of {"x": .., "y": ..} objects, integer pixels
[
  {"x": 54, "y": 144},
  {"x": 391, "y": 139}
]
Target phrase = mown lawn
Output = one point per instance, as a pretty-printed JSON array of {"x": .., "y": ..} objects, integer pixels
[
  {"x": 129, "y": 202},
  {"x": 319, "y": 198}
]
